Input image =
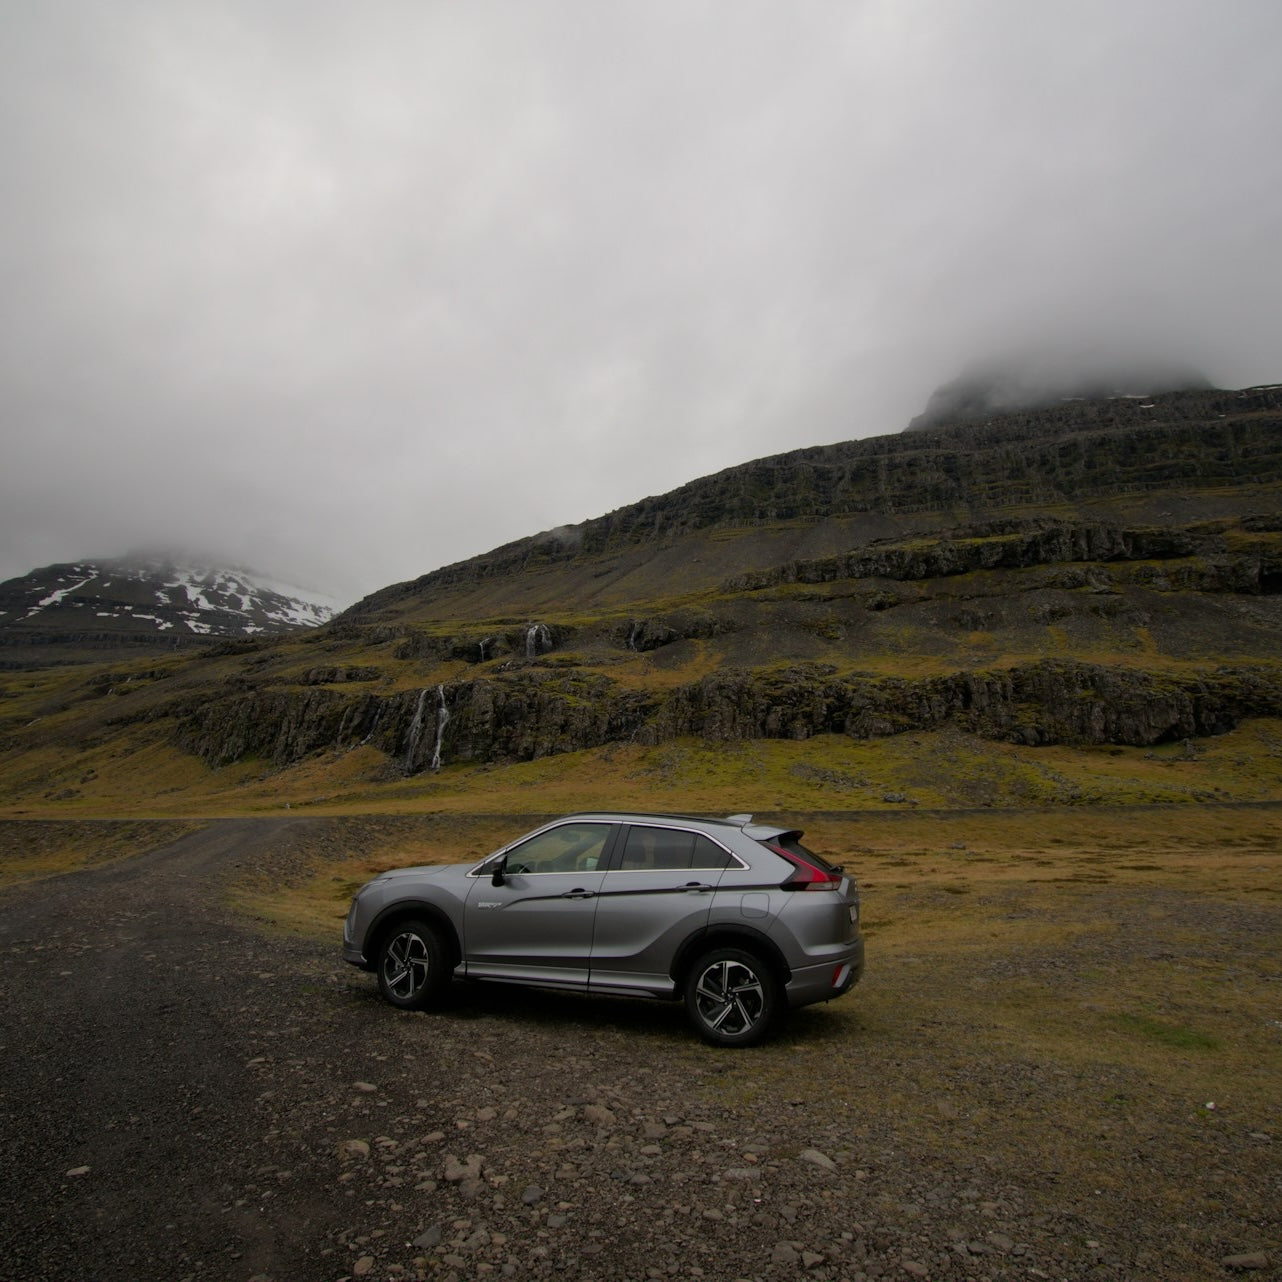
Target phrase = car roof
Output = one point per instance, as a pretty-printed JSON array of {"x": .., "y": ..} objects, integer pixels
[{"x": 739, "y": 823}]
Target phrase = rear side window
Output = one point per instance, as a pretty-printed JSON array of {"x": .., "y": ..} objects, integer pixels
[
  {"x": 670, "y": 848},
  {"x": 707, "y": 854}
]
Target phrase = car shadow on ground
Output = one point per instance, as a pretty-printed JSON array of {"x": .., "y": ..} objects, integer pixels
[{"x": 515, "y": 1006}]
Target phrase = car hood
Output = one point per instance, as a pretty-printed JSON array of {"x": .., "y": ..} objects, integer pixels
[{"x": 425, "y": 872}]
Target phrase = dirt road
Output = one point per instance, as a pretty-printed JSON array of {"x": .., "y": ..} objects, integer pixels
[
  {"x": 184, "y": 1097},
  {"x": 133, "y": 1009}
]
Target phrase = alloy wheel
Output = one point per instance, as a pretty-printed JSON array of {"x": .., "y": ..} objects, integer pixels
[
  {"x": 730, "y": 997},
  {"x": 406, "y": 965}
]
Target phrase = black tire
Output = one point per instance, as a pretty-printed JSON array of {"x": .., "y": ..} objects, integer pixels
[
  {"x": 413, "y": 969},
  {"x": 732, "y": 997}
]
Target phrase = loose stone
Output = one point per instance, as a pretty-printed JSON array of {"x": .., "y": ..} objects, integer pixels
[
  {"x": 1248, "y": 1260},
  {"x": 816, "y": 1158}
]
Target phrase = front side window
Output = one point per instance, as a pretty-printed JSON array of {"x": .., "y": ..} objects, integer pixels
[{"x": 573, "y": 847}]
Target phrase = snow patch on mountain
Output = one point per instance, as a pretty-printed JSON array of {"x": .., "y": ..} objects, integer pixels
[{"x": 162, "y": 595}]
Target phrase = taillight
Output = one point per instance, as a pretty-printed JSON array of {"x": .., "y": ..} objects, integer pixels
[{"x": 807, "y": 876}]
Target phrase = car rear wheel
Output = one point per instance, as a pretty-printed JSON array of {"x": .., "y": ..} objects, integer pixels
[
  {"x": 412, "y": 967},
  {"x": 732, "y": 997}
]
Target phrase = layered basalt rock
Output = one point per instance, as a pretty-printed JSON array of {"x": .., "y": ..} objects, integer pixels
[{"x": 531, "y": 715}]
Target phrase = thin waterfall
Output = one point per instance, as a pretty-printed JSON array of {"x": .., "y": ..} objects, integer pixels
[
  {"x": 373, "y": 730},
  {"x": 416, "y": 729},
  {"x": 442, "y": 720},
  {"x": 537, "y": 640}
]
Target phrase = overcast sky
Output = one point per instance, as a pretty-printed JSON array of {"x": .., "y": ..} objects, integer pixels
[{"x": 350, "y": 291}]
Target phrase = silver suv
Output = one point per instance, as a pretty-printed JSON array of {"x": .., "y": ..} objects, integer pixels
[{"x": 738, "y": 919}]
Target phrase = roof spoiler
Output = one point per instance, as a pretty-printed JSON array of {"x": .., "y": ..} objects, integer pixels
[{"x": 763, "y": 832}]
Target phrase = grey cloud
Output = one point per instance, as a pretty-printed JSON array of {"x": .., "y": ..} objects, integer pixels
[{"x": 352, "y": 291}]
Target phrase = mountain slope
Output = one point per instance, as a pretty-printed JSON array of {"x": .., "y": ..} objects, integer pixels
[
  {"x": 1105, "y": 573},
  {"x": 74, "y": 612},
  {"x": 1113, "y": 460}
]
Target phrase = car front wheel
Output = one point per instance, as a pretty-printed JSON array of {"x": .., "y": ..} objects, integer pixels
[
  {"x": 412, "y": 967},
  {"x": 732, "y": 997}
]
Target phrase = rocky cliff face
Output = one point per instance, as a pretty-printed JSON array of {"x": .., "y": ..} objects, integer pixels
[
  {"x": 1221, "y": 563},
  {"x": 536, "y": 715}
]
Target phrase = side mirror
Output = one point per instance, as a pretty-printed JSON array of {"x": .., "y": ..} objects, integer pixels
[{"x": 496, "y": 877}]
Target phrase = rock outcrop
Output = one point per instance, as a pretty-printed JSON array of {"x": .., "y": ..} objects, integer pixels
[
  {"x": 537, "y": 714},
  {"x": 1241, "y": 566}
]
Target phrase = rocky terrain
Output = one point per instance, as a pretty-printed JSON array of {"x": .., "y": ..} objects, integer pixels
[
  {"x": 523, "y": 717},
  {"x": 187, "y": 1098}
]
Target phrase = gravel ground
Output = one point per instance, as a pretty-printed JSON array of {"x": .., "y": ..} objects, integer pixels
[{"x": 187, "y": 1098}]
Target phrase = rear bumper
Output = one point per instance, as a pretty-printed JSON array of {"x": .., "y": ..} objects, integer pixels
[{"x": 828, "y": 979}]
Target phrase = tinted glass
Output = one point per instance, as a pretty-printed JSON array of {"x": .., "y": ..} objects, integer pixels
[
  {"x": 707, "y": 854},
  {"x": 670, "y": 848},
  {"x": 656, "y": 848}
]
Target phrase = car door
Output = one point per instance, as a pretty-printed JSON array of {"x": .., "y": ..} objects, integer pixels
[
  {"x": 536, "y": 925},
  {"x": 656, "y": 894}
]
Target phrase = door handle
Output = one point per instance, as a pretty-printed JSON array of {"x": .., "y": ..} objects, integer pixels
[
  {"x": 578, "y": 893},
  {"x": 696, "y": 885}
]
